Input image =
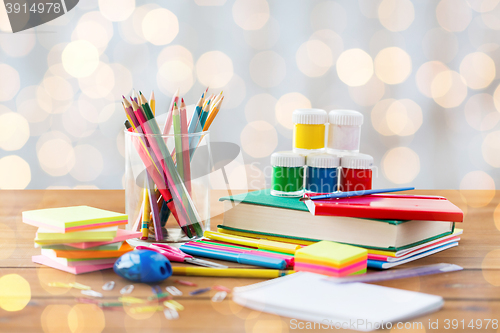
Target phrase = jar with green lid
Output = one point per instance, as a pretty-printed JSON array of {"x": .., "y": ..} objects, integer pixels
[{"x": 288, "y": 174}]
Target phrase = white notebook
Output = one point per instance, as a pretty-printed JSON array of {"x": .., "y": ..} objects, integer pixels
[{"x": 310, "y": 297}]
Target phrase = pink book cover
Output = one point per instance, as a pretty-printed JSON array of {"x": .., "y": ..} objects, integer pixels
[
  {"x": 389, "y": 207},
  {"x": 43, "y": 260},
  {"x": 121, "y": 235}
]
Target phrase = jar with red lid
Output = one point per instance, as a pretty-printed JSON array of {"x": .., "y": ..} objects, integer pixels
[{"x": 356, "y": 173}]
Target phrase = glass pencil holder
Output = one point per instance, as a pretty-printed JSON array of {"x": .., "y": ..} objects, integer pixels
[{"x": 167, "y": 188}]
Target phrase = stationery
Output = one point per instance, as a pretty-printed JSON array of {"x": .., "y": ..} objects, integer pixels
[
  {"x": 121, "y": 235},
  {"x": 230, "y": 272},
  {"x": 41, "y": 259},
  {"x": 252, "y": 242},
  {"x": 388, "y": 206},
  {"x": 241, "y": 258},
  {"x": 338, "y": 195},
  {"x": 311, "y": 297},
  {"x": 45, "y": 236},
  {"x": 71, "y": 219},
  {"x": 78, "y": 254}
]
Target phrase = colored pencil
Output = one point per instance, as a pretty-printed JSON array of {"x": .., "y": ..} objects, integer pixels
[
  {"x": 168, "y": 122},
  {"x": 231, "y": 272},
  {"x": 178, "y": 140},
  {"x": 185, "y": 147},
  {"x": 146, "y": 210},
  {"x": 152, "y": 102},
  {"x": 213, "y": 114}
]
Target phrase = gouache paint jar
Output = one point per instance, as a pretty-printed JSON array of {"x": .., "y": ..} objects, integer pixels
[
  {"x": 356, "y": 173},
  {"x": 322, "y": 173},
  {"x": 309, "y": 130},
  {"x": 344, "y": 131},
  {"x": 288, "y": 174}
]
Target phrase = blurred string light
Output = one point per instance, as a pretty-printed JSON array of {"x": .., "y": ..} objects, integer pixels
[{"x": 95, "y": 60}]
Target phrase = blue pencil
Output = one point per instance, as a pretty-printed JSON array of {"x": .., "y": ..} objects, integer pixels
[{"x": 359, "y": 193}]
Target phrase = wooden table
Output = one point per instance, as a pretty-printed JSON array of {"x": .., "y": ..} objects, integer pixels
[{"x": 471, "y": 294}]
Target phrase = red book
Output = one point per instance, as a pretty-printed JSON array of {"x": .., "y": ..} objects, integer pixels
[{"x": 388, "y": 207}]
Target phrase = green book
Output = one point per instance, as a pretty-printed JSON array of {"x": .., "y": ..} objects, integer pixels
[{"x": 259, "y": 212}]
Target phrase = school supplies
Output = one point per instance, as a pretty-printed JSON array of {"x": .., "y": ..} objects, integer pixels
[
  {"x": 344, "y": 131},
  {"x": 46, "y": 236},
  {"x": 310, "y": 297},
  {"x": 266, "y": 216},
  {"x": 231, "y": 272},
  {"x": 399, "y": 274},
  {"x": 71, "y": 219},
  {"x": 331, "y": 259},
  {"x": 87, "y": 254},
  {"x": 121, "y": 235},
  {"x": 380, "y": 264},
  {"x": 168, "y": 173},
  {"x": 242, "y": 258},
  {"x": 257, "y": 243},
  {"x": 355, "y": 193},
  {"x": 309, "y": 130},
  {"x": 80, "y": 269},
  {"x": 388, "y": 206},
  {"x": 143, "y": 266},
  {"x": 174, "y": 254},
  {"x": 239, "y": 249},
  {"x": 288, "y": 174},
  {"x": 79, "y": 240}
]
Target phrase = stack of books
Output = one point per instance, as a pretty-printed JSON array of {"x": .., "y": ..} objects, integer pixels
[
  {"x": 395, "y": 229},
  {"x": 79, "y": 239}
]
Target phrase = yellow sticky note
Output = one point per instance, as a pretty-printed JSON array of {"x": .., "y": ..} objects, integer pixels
[{"x": 330, "y": 253}]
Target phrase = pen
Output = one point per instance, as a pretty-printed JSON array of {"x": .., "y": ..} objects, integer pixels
[
  {"x": 231, "y": 272},
  {"x": 254, "y": 242},
  {"x": 241, "y": 258},
  {"x": 355, "y": 193}
]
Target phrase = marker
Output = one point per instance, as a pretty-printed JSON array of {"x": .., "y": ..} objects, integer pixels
[
  {"x": 231, "y": 272},
  {"x": 254, "y": 242}
]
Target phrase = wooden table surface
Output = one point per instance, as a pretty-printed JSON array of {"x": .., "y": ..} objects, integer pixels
[{"x": 471, "y": 294}]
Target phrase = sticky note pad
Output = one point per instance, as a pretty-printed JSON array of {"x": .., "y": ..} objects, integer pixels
[
  {"x": 71, "y": 219},
  {"x": 331, "y": 254},
  {"x": 46, "y": 237},
  {"x": 330, "y": 258}
]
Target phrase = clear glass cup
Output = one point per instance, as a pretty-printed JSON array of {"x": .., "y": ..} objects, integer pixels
[{"x": 190, "y": 198}]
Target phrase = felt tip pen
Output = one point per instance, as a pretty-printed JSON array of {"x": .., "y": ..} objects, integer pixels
[
  {"x": 241, "y": 258},
  {"x": 231, "y": 272},
  {"x": 254, "y": 242},
  {"x": 349, "y": 194}
]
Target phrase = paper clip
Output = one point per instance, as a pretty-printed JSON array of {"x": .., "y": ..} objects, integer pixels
[
  {"x": 174, "y": 291},
  {"x": 110, "y": 304},
  {"x": 143, "y": 309},
  {"x": 91, "y": 292},
  {"x": 221, "y": 288},
  {"x": 186, "y": 283},
  {"x": 59, "y": 285},
  {"x": 171, "y": 314},
  {"x": 131, "y": 300},
  {"x": 219, "y": 296},
  {"x": 160, "y": 296},
  {"x": 173, "y": 305},
  {"x": 109, "y": 285},
  {"x": 80, "y": 286},
  {"x": 199, "y": 291},
  {"x": 127, "y": 289},
  {"x": 156, "y": 290}
]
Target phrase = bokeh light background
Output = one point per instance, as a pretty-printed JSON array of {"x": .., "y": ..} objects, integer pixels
[{"x": 425, "y": 74}]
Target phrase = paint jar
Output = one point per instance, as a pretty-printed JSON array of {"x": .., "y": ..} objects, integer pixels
[
  {"x": 288, "y": 174},
  {"x": 309, "y": 130},
  {"x": 356, "y": 173},
  {"x": 344, "y": 131},
  {"x": 322, "y": 173}
]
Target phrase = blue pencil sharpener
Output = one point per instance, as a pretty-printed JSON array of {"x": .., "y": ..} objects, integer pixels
[{"x": 143, "y": 266}]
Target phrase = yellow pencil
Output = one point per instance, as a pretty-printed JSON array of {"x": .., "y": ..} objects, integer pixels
[
  {"x": 152, "y": 102},
  {"x": 213, "y": 114},
  {"x": 231, "y": 272},
  {"x": 146, "y": 211},
  {"x": 216, "y": 100}
]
